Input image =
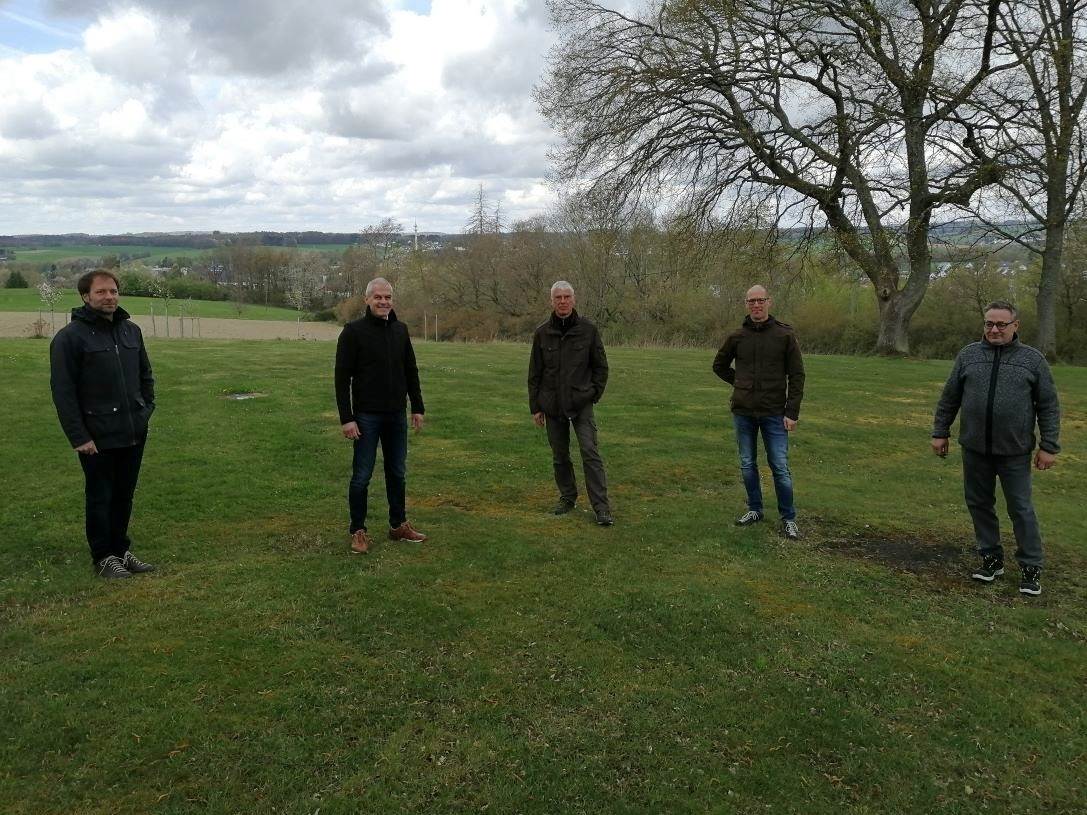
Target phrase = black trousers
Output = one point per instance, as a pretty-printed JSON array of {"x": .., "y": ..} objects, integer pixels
[{"x": 110, "y": 477}]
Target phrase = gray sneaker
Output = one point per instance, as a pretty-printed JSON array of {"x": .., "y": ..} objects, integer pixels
[
  {"x": 748, "y": 518},
  {"x": 135, "y": 565},
  {"x": 790, "y": 530},
  {"x": 111, "y": 567}
]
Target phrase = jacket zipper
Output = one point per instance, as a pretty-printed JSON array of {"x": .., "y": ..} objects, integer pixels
[
  {"x": 997, "y": 352},
  {"x": 124, "y": 386}
]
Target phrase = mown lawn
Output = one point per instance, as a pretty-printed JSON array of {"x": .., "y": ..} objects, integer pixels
[
  {"x": 29, "y": 300},
  {"x": 519, "y": 662}
]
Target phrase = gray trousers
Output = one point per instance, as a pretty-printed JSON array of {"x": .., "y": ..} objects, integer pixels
[
  {"x": 980, "y": 473},
  {"x": 558, "y": 435}
]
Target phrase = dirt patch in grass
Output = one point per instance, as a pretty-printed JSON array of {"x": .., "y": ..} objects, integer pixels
[{"x": 908, "y": 554}]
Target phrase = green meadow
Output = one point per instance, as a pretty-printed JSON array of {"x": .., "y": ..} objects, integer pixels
[
  {"x": 518, "y": 662},
  {"x": 93, "y": 251},
  {"x": 29, "y": 300}
]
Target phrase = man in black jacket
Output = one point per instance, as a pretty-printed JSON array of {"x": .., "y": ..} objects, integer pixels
[
  {"x": 376, "y": 374},
  {"x": 567, "y": 374},
  {"x": 1001, "y": 389},
  {"x": 104, "y": 394},
  {"x": 767, "y": 388}
]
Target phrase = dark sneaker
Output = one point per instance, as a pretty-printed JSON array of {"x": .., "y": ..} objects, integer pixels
[
  {"x": 360, "y": 542},
  {"x": 748, "y": 518},
  {"x": 603, "y": 518},
  {"x": 407, "y": 533},
  {"x": 992, "y": 566},
  {"x": 562, "y": 507},
  {"x": 111, "y": 568},
  {"x": 790, "y": 530},
  {"x": 135, "y": 565},
  {"x": 1030, "y": 581}
]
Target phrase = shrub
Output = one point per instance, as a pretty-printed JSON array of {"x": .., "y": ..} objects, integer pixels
[{"x": 16, "y": 281}]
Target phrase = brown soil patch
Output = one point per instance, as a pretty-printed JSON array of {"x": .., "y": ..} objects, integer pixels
[{"x": 904, "y": 554}]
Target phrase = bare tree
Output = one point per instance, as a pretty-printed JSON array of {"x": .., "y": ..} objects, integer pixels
[
  {"x": 843, "y": 109},
  {"x": 1034, "y": 124}
]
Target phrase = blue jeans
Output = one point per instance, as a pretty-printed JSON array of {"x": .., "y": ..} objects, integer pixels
[
  {"x": 775, "y": 439},
  {"x": 391, "y": 430}
]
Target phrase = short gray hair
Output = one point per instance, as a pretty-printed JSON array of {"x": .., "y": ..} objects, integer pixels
[
  {"x": 1003, "y": 305},
  {"x": 561, "y": 285},
  {"x": 377, "y": 281}
]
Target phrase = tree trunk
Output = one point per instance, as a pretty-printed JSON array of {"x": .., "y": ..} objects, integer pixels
[
  {"x": 1047, "y": 292},
  {"x": 894, "y": 326}
]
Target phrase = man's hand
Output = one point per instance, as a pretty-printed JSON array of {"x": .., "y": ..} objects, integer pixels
[
  {"x": 790, "y": 424},
  {"x": 417, "y": 422},
  {"x": 89, "y": 449},
  {"x": 351, "y": 431},
  {"x": 940, "y": 447},
  {"x": 1044, "y": 460},
  {"x": 538, "y": 419}
]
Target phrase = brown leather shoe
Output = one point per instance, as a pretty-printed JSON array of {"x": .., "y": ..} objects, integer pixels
[
  {"x": 406, "y": 532},
  {"x": 360, "y": 542}
]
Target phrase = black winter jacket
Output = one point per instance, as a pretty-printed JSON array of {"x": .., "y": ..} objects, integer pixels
[
  {"x": 999, "y": 392},
  {"x": 567, "y": 370},
  {"x": 768, "y": 379},
  {"x": 376, "y": 370},
  {"x": 101, "y": 380}
]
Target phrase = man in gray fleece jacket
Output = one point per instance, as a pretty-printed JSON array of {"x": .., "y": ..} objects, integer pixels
[{"x": 1001, "y": 388}]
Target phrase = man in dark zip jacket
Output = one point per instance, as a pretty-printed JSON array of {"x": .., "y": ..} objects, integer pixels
[
  {"x": 1000, "y": 389},
  {"x": 567, "y": 374},
  {"x": 376, "y": 375},
  {"x": 763, "y": 363},
  {"x": 104, "y": 394}
]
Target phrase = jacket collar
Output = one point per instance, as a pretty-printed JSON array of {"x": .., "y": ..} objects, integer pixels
[
  {"x": 372, "y": 318},
  {"x": 86, "y": 314},
  {"x": 558, "y": 322},
  {"x": 749, "y": 323}
]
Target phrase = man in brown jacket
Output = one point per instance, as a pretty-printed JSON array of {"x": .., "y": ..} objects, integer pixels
[
  {"x": 767, "y": 387},
  {"x": 567, "y": 374}
]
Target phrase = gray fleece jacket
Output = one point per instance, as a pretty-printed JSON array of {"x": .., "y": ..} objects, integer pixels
[{"x": 999, "y": 393}]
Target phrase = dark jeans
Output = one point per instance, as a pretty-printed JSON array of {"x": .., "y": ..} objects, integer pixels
[
  {"x": 775, "y": 439},
  {"x": 391, "y": 430},
  {"x": 110, "y": 482},
  {"x": 558, "y": 435},
  {"x": 980, "y": 473}
]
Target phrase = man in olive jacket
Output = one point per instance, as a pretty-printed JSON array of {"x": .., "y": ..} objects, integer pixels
[
  {"x": 104, "y": 394},
  {"x": 567, "y": 374},
  {"x": 763, "y": 363},
  {"x": 1000, "y": 389},
  {"x": 376, "y": 374}
]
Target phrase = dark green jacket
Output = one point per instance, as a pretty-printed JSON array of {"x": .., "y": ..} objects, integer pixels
[
  {"x": 763, "y": 363},
  {"x": 999, "y": 393},
  {"x": 101, "y": 380},
  {"x": 567, "y": 370},
  {"x": 376, "y": 370}
]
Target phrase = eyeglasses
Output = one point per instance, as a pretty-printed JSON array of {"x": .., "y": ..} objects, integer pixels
[
  {"x": 756, "y": 301},
  {"x": 998, "y": 326}
]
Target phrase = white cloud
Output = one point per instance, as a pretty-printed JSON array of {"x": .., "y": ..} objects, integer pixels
[{"x": 204, "y": 115}]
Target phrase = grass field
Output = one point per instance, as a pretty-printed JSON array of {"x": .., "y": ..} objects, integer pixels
[
  {"x": 519, "y": 662},
  {"x": 28, "y": 300},
  {"x": 53, "y": 254}
]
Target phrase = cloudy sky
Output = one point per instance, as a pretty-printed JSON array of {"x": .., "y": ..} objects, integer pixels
[{"x": 164, "y": 115}]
